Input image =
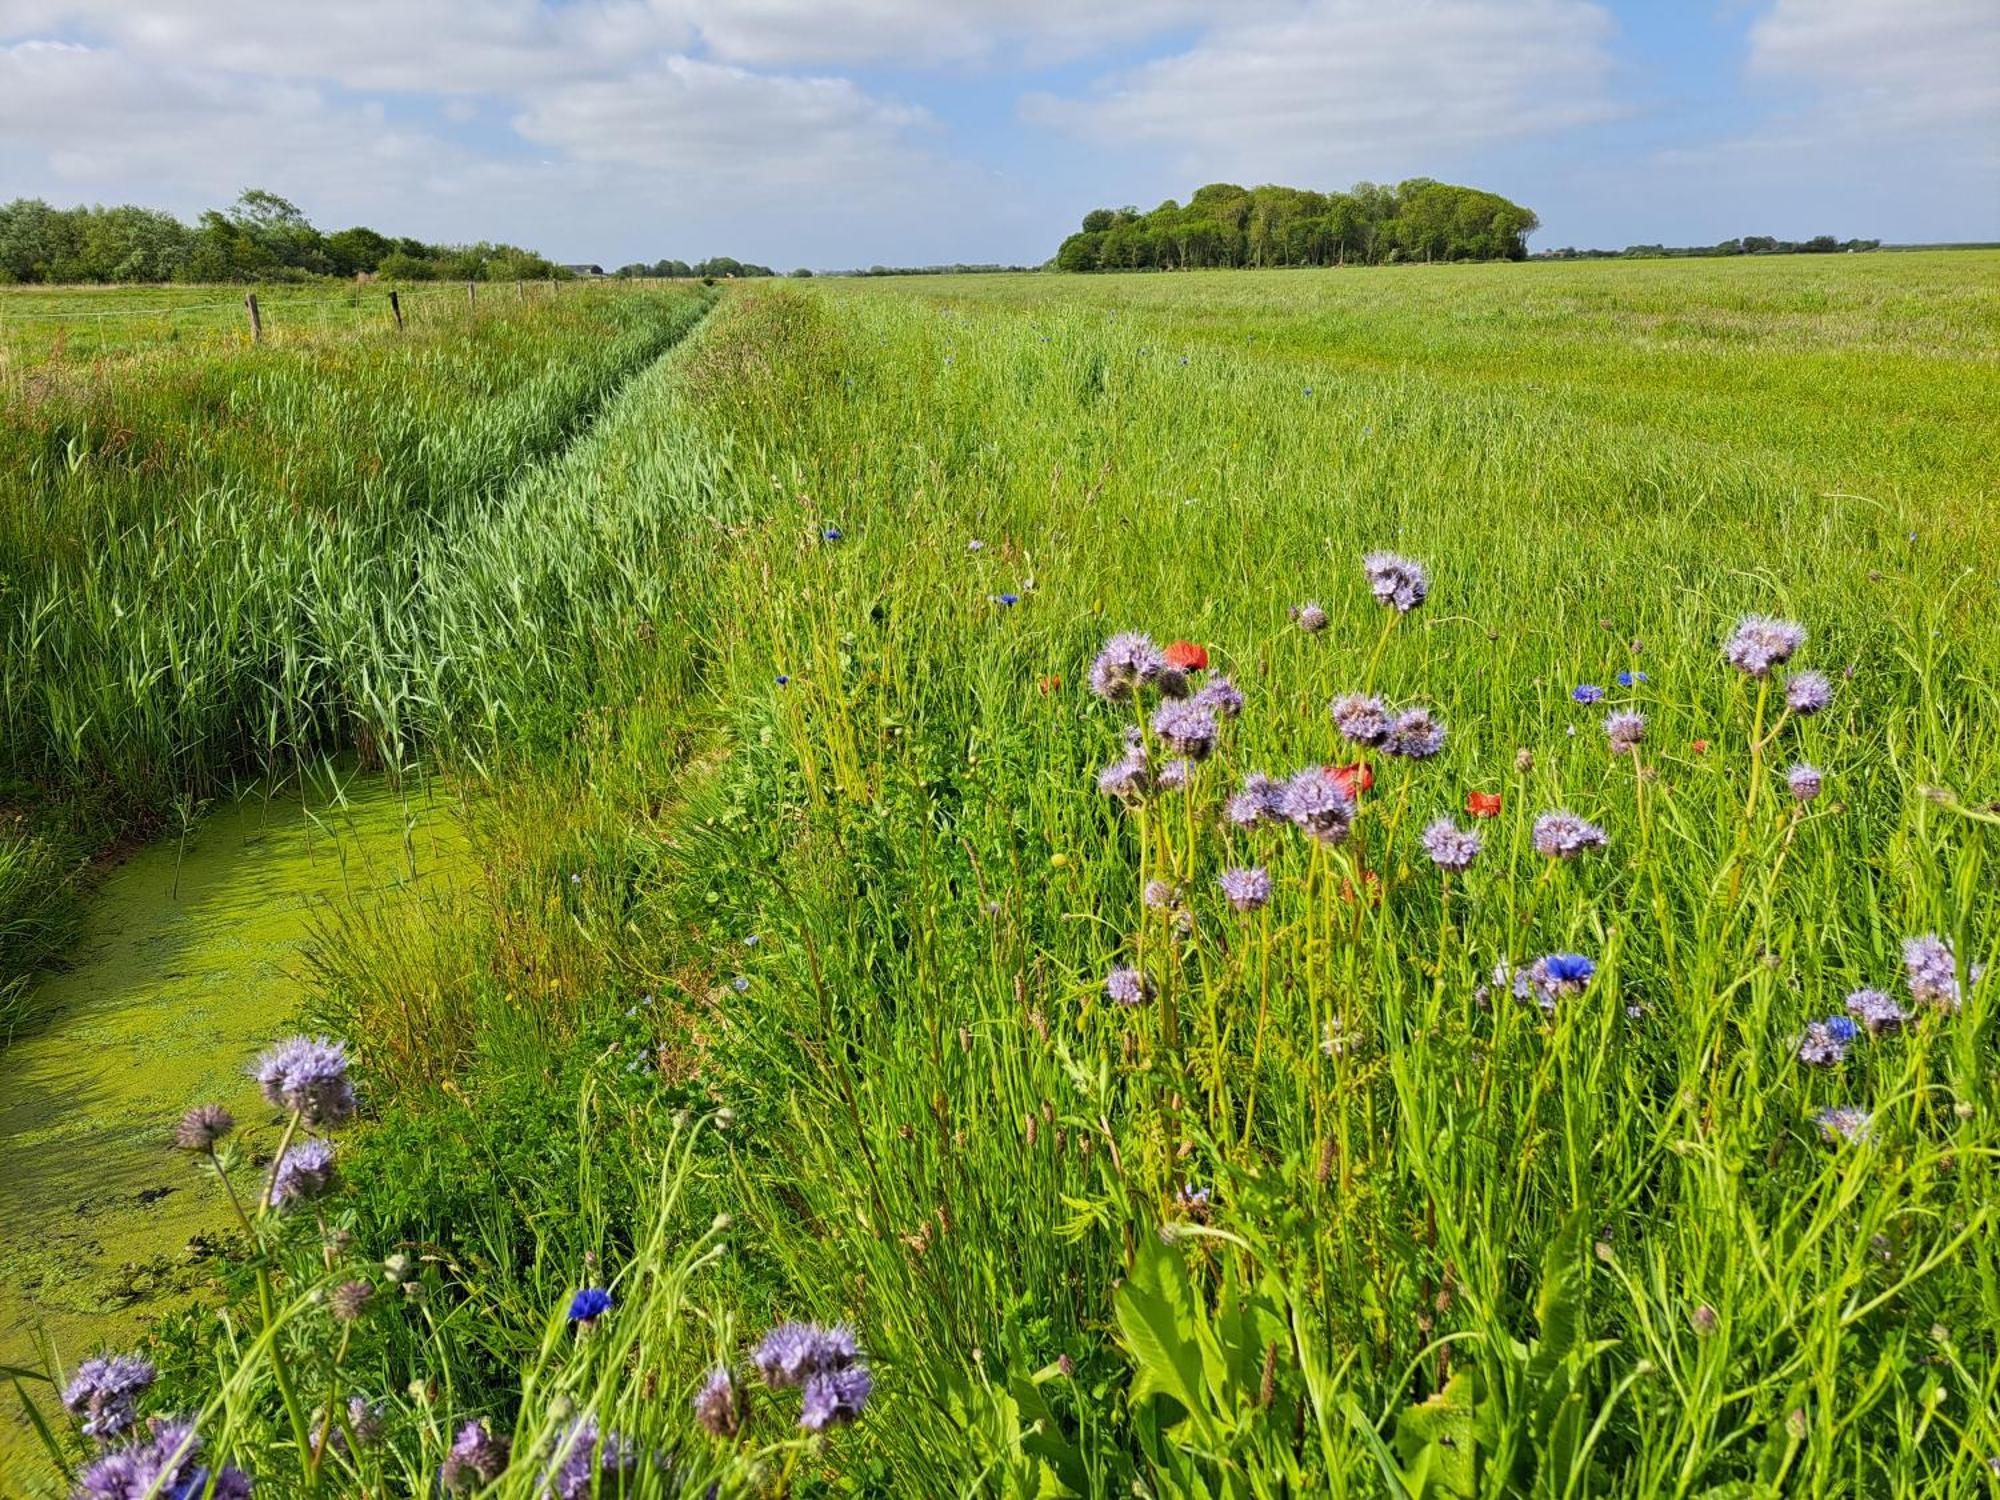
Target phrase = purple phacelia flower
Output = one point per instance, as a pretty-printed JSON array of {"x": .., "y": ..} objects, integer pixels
[
  {"x": 1220, "y": 696},
  {"x": 834, "y": 1398},
  {"x": 1844, "y": 1124},
  {"x": 1417, "y": 734},
  {"x": 308, "y": 1074},
  {"x": 1258, "y": 802},
  {"x": 164, "y": 1464},
  {"x": 1806, "y": 693},
  {"x": 717, "y": 1406},
  {"x": 366, "y": 1418},
  {"x": 1623, "y": 731},
  {"x": 1931, "y": 968},
  {"x": 1186, "y": 728},
  {"x": 1314, "y": 802},
  {"x": 1877, "y": 1011},
  {"x": 1396, "y": 581},
  {"x": 581, "y": 1458},
  {"x": 1563, "y": 835},
  {"x": 1761, "y": 643},
  {"x": 1126, "y": 986},
  {"x": 202, "y": 1126},
  {"x": 1450, "y": 847},
  {"x": 304, "y": 1171},
  {"x": 1803, "y": 781},
  {"x": 1245, "y": 889},
  {"x": 1588, "y": 693},
  {"x": 104, "y": 1392},
  {"x": 1128, "y": 778},
  {"x": 477, "y": 1458},
  {"x": 1173, "y": 776},
  {"x": 1825, "y": 1042},
  {"x": 588, "y": 1305},
  {"x": 1126, "y": 662},
  {"x": 1361, "y": 719},
  {"x": 1194, "y": 1201},
  {"x": 793, "y": 1352},
  {"x": 1158, "y": 895},
  {"x": 1309, "y": 617}
]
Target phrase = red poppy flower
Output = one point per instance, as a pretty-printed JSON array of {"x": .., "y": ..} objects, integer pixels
[
  {"x": 1050, "y": 684},
  {"x": 1354, "y": 779},
  {"x": 1188, "y": 656},
  {"x": 1483, "y": 804},
  {"x": 1701, "y": 747}
]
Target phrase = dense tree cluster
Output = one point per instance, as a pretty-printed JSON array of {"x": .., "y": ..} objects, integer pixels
[
  {"x": 1750, "y": 244},
  {"x": 720, "y": 266},
  {"x": 1225, "y": 225},
  {"x": 261, "y": 237}
]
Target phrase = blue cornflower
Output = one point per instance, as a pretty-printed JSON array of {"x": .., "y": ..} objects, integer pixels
[
  {"x": 1010, "y": 600},
  {"x": 1588, "y": 692},
  {"x": 740, "y": 984},
  {"x": 783, "y": 679},
  {"x": 1568, "y": 969},
  {"x": 588, "y": 1305},
  {"x": 831, "y": 534},
  {"x": 1627, "y": 679}
]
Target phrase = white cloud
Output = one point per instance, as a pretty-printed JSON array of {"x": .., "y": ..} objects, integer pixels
[
  {"x": 929, "y": 32},
  {"x": 1311, "y": 91},
  {"x": 1906, "y": 66}
]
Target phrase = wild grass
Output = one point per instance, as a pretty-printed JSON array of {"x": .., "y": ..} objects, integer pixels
[{"x": 801, "y": 884}]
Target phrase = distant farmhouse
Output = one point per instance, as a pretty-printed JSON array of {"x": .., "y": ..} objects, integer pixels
[{"x": 585, "y": 272}]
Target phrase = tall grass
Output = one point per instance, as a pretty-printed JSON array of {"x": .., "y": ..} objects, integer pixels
[{"x": 810, "y": 847}]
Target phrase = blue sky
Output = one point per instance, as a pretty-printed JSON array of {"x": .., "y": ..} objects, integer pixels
[{"x": 850, "y": 132}]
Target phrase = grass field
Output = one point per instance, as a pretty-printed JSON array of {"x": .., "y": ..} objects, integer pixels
[{"x": 797, "y": 985}]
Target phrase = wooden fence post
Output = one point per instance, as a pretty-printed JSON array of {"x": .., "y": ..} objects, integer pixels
[
  {"x": 396, "y": 307},
  {"x": 472, "y": 294},
  {"x": 256, "y": 318}
]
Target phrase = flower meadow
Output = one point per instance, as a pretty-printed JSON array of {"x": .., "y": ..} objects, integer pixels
[{"x": 1293, "y": 886}]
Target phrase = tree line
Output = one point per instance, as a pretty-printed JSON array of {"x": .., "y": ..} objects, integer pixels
[
  {"x": 717, "y": 266},
  {"x": 1223, "y": 225},
  {"x": 260, "y": 237},
  {"x": 1749, "y": 244}
]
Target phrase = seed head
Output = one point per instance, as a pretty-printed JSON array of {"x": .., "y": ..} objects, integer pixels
[
  {"x": 350, "y": 1300},
  {"x": 717, "y": 1406},
  {"x": 1309, "y": 617},
  {"x": 1803, "y": 781},
  {"x": 1624, "y": 730},
  {"x": 202, "y": 1126}
]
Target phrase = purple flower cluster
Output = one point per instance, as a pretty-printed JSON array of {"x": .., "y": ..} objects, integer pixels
[
  {"x": 1624, "y": 730},
  {"x": 826, "y": 1362},
  {"x": 582, "y": 1457},
  {"x": 1128, "y": 778},
  {"x": 1563, "y": 835},
  {"x": 1260, "y": 801},
  {"x": 1931, "y": 969},
  {"x": 201, "y": 1127},
  {"x": 1803, "y": 781},
  {"x": 1396, "y": 581},
  {"x": 1761, "y": 643},
  {"x": 1126, "y": 987},
  {"x": 1129, "y": 662},
  {"x": 1807, "y": 693},
  {"x": 304, "y": 1171},
  {"x": 1187, "y": 728},
  {"x": 104, "y": 1392},
  {"x": 476, "y": 1459},
  {"x": 1309, "y": 617},
  {"x": 1844, "y": 1124},
  {"x": 718, "y": 1406},
  {"x": 308, "y": 1075},
  {"x": 1450, "y": 847},
  {"x": 1416, "y": 734},
  {"x": 1877, "y": 1011},
  {"x": 1245, "y": 889},
  {"x": 1220, "y": 696},
  {"x": 1314, "y": 802},
  {"x": 1362, "y": 719},
  {"x": 164, "y": 1464},
  {"x": 1826, "y": 1042}
]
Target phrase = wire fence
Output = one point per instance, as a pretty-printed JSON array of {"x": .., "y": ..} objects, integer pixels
[{"x": 40, "y": 329}]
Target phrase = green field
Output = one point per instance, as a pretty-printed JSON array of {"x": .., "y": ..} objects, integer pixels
[{"x": 758, "y": 629}]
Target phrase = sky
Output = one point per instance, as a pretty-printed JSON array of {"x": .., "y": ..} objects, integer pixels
[{"x": 835, "y": 133}]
